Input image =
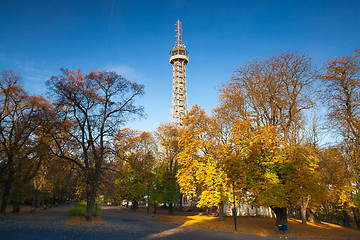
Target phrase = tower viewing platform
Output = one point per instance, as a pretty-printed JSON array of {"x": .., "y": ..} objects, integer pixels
[{"x": 179, "y": 53}]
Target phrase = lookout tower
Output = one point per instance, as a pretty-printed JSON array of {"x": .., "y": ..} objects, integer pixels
[{"x": 179, "y": 57}]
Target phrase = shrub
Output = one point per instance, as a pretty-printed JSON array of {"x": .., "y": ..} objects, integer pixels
[{"x": 79, "y": 209}]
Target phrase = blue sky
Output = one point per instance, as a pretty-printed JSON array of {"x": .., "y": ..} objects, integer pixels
[{"x": 134, "y": 38}]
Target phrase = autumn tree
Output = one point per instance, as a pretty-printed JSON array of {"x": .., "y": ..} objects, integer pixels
[
  {"x": 335, "y": 178},
  {"x": 270, "y": 173},
  {"x": 136, "y": 154},
  {"x": 257, "y": 161},
  {"x": 166, "y": 189},
  {"x": 21, "y": 118},
  {"x": 107, "y": 187},
  {"x": 303, "y": 179},
  {"x": 341, "y": 95},
  {"x": 89, "y": 110},
  {"x": 271, "y": 92},
  {"x": 48, "y": 184},
  {"x": 201, "y": 172},
  {"x": 274, "y": 93}
]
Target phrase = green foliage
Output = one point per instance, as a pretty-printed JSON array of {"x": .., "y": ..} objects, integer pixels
[
  {"x": 136, "y": 153},
  {"x": 79, "y": 209},
  {"x": 166, "y": 189},
  {"x": 130, "y": 185}
]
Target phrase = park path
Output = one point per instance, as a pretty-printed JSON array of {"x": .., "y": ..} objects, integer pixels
[{"x": 120, "y": 224}]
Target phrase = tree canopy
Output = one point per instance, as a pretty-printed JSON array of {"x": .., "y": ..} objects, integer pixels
[{"x": 89, "y": 109}]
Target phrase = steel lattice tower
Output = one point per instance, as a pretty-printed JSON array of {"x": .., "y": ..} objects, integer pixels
[{"x": 179, "y": 57}]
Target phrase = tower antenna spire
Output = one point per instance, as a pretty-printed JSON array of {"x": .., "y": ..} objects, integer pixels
[
  {"x": 178, "y": 43},
  {"x": 179, "y": 57}
]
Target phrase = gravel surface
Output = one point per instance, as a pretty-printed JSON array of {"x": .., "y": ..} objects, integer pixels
[{"x": 119, "y": 224}]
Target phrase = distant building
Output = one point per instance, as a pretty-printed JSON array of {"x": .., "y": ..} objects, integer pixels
[{"x": 248, "y": 210}]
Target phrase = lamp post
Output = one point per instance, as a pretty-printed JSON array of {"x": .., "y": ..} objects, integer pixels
[
  {"x": 148, "y": 196},
  {"x": 234, "y": 212}
]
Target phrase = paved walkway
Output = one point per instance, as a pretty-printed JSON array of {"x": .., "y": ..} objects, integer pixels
[{"x": 120, "y": 224}]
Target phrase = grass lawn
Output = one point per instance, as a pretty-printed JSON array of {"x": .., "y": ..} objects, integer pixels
[
  {"x": 79, "y": 209},
  {"x": 264, "y": 226},
  {"x": 78, "y": 212}
]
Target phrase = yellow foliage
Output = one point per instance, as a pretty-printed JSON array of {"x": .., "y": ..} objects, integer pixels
[{"x": 200, "y": 170}]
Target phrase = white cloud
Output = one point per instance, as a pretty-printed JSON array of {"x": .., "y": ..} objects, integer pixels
[
  {"x": 34, "y": 78},
  {"x": 126, "y": 71},
  {"x": 39, "y": 75},
  {"x": 36, "y": 75}
]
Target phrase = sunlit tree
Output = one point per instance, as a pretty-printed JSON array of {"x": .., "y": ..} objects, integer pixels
[
  {"x": 341, "y": 96},
  {"x": 270, "y": 94},
  {"x": 201, "y": 172}
]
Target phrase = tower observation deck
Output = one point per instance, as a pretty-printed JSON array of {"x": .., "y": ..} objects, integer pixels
[{"x": 179, "y": 57}]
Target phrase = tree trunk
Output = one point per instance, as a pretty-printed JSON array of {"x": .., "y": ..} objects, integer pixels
[
  {"x": 92, "y": 182},
  {"x": 181, "y": 202},
  {"x": 303, "y": 213},
  {"x": 90, "y": 208},
  {"x": 356, "y": 213},
  {"x": 39, "y": 199},
  {"x": 221, "y": 211},
  {"x": 346, "y": 219},
  {"x": 35, "y": 200},
  {"x": 171, "y": 209},
  {"x": 6, "y": 194},
  {"x": 311, "y": 216},
  {"x": 134, "y": 205},
  {"x": 303, "y": 208},
  {"x": 16, "y": 207},
  {"x": 90, "y": 201},
  {"x": 281, "y": 215}
]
